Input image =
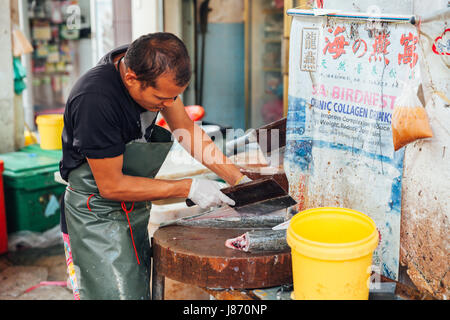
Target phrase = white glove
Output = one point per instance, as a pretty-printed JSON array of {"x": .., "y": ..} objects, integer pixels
[{"x": 207, "y": 194}]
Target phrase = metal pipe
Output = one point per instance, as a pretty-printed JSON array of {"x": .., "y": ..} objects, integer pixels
[
  {"x": 351, "y": 15},
  {"x": 204, "y": 11}
]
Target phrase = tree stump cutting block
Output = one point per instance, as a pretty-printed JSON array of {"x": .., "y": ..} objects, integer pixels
[{"x": 198, "y": 256}]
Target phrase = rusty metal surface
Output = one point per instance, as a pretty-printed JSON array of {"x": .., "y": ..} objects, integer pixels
[
  {"x": 255, "y": 174},
  {"x": 198, "y": 256},
  {"x": 261, "y": 196},
  {"x": 276, "y": 129}
]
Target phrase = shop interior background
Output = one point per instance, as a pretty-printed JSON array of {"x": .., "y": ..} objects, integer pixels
[{"x": 236, "y": 49}]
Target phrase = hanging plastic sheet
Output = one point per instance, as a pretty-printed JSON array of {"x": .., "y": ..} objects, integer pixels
[
  {"x": 19, "y": 75},
  {"x": 344, "y": 79}
]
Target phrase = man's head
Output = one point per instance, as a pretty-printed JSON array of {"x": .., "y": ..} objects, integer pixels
[{"x": 158, "y": 70}]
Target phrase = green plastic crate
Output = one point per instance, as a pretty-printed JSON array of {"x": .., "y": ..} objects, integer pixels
[
  {"x": 31, "y": 194},
  {"x": 36, "y": 148}
]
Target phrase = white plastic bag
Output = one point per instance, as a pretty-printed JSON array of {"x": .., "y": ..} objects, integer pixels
[{"x": 30, "y": 239}]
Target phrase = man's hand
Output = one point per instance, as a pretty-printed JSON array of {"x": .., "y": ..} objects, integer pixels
[{"x": 206, "y": 194}]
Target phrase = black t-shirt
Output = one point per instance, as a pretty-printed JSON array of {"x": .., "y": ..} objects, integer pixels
[{"x": 100, "y": 117}]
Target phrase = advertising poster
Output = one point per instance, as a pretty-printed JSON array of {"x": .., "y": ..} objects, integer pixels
[{"x": 345, "y": 76}]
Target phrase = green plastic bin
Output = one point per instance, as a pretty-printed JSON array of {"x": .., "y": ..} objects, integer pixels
[
  {"x": 36, "y": 148},
  {"x": 31, "y": 193}
]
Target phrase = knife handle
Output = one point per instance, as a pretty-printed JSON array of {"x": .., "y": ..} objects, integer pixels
[{"x": 190, "y": 203}]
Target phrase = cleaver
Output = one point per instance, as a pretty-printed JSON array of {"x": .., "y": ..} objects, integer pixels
[
  {"x": 257, "y": 197},
  {"x": 263, "y": 136}
]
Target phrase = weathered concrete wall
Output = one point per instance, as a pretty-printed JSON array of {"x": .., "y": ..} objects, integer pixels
[
  {"x": 7, "y": 126},
  {"x": 19, "y": 139},
  {"x": 425, "y": 239},
  {"x": 19, "y": 126}
]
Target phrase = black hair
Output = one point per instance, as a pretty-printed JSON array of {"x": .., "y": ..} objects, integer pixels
[{"x": 154, "y": 54}]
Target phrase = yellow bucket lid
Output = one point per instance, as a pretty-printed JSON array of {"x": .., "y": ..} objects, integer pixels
[
  {"x": 50, "y": 119},
  {"x": 332, "y": 234}
]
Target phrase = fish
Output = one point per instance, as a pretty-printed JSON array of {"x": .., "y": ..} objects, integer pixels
[
  {"x": 259, "y": 240},
  {"x": 228, "y": 218},
  {"x": 243, "y": 222}
]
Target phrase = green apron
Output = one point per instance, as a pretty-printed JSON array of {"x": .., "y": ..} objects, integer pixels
[{"x": 109, "y": 240}]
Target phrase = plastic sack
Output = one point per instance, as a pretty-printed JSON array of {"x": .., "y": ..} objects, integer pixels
[
  {"x": 409, "y": 119},
  {"x": 31, "y": 239}
]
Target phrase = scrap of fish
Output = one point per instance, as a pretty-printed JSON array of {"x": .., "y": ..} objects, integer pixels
[{"x": 259, "y": 240}]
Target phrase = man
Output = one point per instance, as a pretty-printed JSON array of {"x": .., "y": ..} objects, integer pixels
[{"x": 112, "y": 151}]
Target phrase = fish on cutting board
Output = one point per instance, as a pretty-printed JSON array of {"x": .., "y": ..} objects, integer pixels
[
  {"x": 243, "y": 222},
  {"x": 259, "y": 240},
  {"x": 227, "y": 217}
]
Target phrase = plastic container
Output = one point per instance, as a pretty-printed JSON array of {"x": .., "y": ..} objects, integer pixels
[
  {"x": 3, "y": 229},
  {"x": 50, "y": 129},
  {"x": 36, "y": 148},
  {"x": 332, "y": 252},
  {"x": 30, "y": 138},
  {"x": 31, "y": 192}
]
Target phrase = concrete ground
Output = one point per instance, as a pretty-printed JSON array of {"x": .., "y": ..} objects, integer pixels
[{"x": 26, "y": 268}]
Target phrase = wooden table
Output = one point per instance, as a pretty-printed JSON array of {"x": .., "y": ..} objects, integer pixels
[{"x": 198, "y": 256}]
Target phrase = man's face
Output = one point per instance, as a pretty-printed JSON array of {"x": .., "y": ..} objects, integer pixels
[{"x": 159, "y": 98}]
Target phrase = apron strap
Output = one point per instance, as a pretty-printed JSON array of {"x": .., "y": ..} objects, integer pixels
[
  {"x": 87, "y": 202},
  {"x": 124, "y": 208}
]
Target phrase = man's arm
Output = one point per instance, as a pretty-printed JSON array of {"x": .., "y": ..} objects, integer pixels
[
  {"x": 199, "y": 144},
  {"x": 116, "y": 186}
]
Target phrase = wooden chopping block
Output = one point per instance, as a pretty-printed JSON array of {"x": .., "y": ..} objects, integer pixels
[{"x": 198, "y": 256}]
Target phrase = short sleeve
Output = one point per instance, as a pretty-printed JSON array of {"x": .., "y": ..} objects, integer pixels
[{"x": 97, "y": 129}]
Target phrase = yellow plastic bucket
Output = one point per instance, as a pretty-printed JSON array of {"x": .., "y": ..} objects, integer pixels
[
  {"x": 50, "y": 129},
  {"x": 332, "y": 252}
]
